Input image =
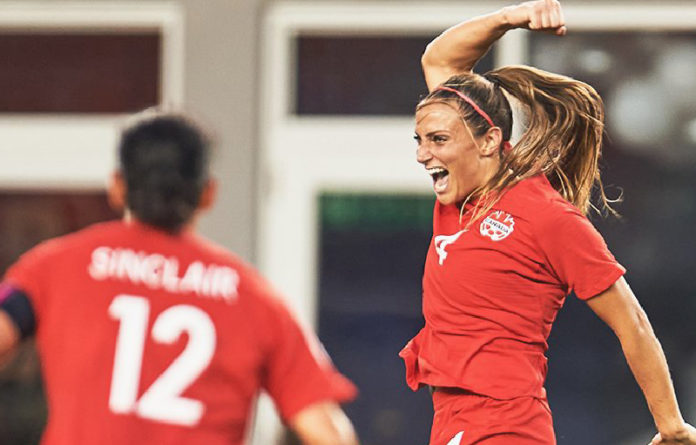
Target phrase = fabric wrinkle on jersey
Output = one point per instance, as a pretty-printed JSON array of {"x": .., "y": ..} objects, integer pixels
[
  {"x": 258, "y": 344},
  {"x": 490, "y": 303}
]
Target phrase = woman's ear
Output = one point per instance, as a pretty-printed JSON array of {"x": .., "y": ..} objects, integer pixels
[
  {"x": 116, "y": 192},
  {"x": 491, "y": 142},
  {"x": 208, "y": 195}
]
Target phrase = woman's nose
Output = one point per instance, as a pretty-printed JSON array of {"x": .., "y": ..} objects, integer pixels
[{"x": 423, "y": 154}]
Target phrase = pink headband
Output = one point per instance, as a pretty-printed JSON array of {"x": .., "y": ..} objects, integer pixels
[
  {"x": 506, "y": 145},
  {"x": 468, "y": 100}
]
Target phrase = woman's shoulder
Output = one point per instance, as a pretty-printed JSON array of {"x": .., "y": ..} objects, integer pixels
[
  {"x": 85, "y": 235},
  {"x": 535, "y": 199},
  {"x": 62, "y": 247},
  {"x": 214, "y": 251}
]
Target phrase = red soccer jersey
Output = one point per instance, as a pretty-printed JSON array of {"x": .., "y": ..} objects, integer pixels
[
  {"x": 146, "y": 337},
  {"x": 491, "y": 291}
]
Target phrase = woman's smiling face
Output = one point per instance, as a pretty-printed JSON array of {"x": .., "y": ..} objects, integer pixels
[{"x": 449, "y": 153}]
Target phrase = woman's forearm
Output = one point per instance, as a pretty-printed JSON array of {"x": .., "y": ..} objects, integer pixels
[
  {"x": 647, "y": 362},
  {"x": 458, "y": 48},
  {"x": 619, "y": 308}
]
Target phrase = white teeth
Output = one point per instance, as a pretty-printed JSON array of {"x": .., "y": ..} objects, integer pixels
[{"x": 435, "y": 170}]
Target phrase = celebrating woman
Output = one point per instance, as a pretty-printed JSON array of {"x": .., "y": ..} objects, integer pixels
[{"x": 511, "y": 241}]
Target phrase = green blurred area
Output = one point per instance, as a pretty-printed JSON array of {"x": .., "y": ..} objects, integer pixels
[{"x": 375, "y": 212}]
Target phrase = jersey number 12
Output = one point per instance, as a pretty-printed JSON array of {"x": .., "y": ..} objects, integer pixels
[{"x": 162, "y": 401}]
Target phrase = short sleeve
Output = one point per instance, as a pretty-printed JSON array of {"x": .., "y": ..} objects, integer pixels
[
  {"x": 298, "y": 371},
  {"x": 578, "y": 254}
]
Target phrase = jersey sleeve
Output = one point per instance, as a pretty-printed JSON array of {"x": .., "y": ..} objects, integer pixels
[
  {"x": 27, "y": 275},
  {"x": 578, "y": 254},
  {"x": 298, "y": 372}
]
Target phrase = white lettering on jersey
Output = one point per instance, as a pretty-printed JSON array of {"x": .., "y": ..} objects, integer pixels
[
  {"x": 164, "y": 399},
  {"x": 498, "y": 225},
  {"x": 156, "y": 271},
  {"x": 441, "y": 243},
  {"x": 457, "y": 439}
]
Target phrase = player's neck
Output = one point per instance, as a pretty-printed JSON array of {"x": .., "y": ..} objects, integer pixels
[{"x": 130, "y": 219}]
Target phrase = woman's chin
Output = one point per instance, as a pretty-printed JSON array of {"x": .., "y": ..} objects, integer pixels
[{"x": 445, "y": 198}]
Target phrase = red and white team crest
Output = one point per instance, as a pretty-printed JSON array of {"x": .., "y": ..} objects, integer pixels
[{"x": 498, "y": 225}]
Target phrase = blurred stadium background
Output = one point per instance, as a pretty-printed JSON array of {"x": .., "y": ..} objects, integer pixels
[{"x": 311, "y": 102}]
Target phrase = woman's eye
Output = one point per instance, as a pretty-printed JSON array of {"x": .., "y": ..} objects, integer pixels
[{"x": 439, "y": 139}]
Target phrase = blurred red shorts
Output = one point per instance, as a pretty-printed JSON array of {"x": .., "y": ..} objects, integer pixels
[{"x": 465, "y": 418}]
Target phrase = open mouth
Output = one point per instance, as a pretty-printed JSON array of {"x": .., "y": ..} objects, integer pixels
[{"x": 440, "y": 178}]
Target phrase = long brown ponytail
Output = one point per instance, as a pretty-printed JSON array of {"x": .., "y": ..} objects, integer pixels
[{"x": 564, "y": 135}]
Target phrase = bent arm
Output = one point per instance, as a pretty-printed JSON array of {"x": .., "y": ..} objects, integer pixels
[
  {"x": 619, "y": 308},
  {"x": 323, "y": 423},
  {"x": 458, "y": 48}
]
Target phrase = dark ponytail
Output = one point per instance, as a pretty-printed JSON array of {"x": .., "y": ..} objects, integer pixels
[{"x": 164, "y": 160}]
